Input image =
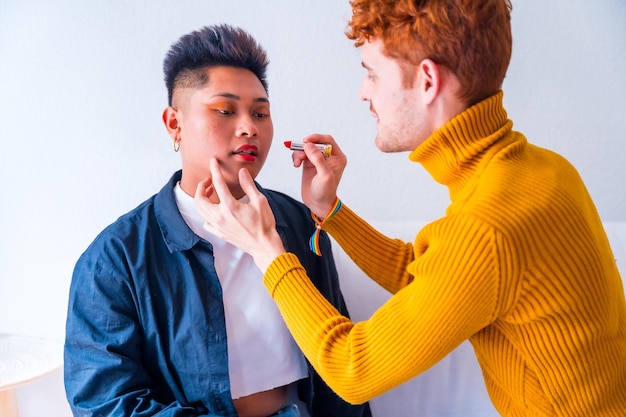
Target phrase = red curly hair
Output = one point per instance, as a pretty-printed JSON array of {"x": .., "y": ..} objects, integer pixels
[{"x": 472, "y": 38}]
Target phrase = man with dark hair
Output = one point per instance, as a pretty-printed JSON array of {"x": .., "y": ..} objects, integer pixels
[
  {"x": 167, "y": 319},
  {"x": 519, "y": 265},
  {"x": 185, "y": 63}
]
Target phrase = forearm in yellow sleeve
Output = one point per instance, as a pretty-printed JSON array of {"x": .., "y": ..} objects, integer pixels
[
  {"x": 381, "y": 258},
  {"x": 360, "y": 361}
]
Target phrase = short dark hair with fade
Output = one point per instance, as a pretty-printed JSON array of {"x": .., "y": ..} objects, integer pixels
[{"x": 186, "y": 62}]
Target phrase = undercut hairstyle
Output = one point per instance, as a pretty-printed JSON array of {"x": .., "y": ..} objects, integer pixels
[
  {"x": 186, "y": 62},
  {"x": 471, "y": 38}
]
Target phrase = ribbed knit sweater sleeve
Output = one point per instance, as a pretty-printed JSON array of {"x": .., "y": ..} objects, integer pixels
[
  {"x": 415, "y": 329},
  {"x": 381, "y": 258}
]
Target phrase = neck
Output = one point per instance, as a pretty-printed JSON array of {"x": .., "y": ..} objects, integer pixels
[
  {"x": 189, "y": 187},
  {"x": 447, "y": 105}
]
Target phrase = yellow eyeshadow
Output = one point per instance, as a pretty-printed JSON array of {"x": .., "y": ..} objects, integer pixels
[{"x": 222, "y": 106}]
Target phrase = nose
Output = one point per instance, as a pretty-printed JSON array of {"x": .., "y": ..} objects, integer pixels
[
  {"x": 247, "y": 126},
  {"x": 363, "y": 92}
]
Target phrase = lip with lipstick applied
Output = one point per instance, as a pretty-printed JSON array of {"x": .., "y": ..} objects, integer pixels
[
  {"x": 325, "y": 148},
  {"x": 247, "y": 152}
]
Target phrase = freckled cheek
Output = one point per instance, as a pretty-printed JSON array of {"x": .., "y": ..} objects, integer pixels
[
  {"x": 215, "y": 129},
  {"x": 265, "y": 130},
  {"x": 201, "y": 123}
]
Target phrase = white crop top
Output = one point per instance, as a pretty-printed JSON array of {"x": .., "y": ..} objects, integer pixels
[{"x": 261, "y": 352}]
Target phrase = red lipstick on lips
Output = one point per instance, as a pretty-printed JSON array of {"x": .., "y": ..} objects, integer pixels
[{"x": 247, "y": 152}]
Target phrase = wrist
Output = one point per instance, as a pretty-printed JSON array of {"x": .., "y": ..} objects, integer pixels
[
  {"x": 264, "y": 257},
  {"x": 321, "y": 211},
  {"x": 314, "y": 242}
]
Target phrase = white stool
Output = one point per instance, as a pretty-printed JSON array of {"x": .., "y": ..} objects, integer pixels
[{"x": 23, "y": 359}]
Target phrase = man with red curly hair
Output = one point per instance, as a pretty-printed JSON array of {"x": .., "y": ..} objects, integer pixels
[{"x": 520, "y": 264}]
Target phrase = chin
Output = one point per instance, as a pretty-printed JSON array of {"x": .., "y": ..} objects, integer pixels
[
  {"x": 383, "y": 146},
  {"x": 254, "y": 171}
]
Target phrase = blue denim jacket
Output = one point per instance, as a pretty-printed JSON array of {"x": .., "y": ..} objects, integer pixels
[{"x": 145, "y": 332}]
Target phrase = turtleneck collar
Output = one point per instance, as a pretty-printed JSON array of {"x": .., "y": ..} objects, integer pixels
[{"x": 452, "y": 152}]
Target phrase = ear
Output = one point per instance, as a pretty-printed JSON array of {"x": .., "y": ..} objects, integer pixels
[
  {"x": 171, "y": 121},
  {"x": 429, "y": 79}
]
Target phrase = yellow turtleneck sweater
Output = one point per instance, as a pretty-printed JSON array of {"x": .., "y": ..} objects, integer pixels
[{"x": 520, "y": 265}]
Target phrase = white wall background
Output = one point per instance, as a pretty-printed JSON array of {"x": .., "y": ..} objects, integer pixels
[{"x": 82, "y": 142}]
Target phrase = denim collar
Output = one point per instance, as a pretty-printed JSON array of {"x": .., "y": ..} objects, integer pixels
[{"x": 176, "y": 234}]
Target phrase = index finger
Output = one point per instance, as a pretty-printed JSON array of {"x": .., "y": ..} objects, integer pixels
[
  {"x": 219, "y": 184},
  {"x": 300, "y": 157},
  {"x": 323, "y": 139}
]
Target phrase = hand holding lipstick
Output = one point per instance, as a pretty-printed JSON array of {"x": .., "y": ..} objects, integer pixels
[{"x": 320, "y": 175}]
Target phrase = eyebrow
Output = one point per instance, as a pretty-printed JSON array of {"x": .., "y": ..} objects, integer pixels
[{"x": 236, "y": 97}]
